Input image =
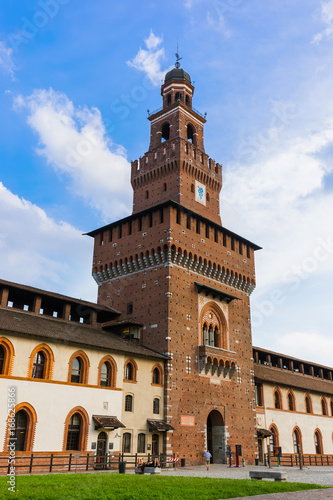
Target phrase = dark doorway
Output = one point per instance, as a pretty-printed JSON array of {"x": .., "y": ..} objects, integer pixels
[
  {"x": 154, "y": 446},
  {"x": 101, "y": 449},
  {"x": 216, "y": 443}
]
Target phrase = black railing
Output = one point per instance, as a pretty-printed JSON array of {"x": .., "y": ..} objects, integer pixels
[
  {"x": 292, "y": 460},
  {"x": 54, "y": 462}
]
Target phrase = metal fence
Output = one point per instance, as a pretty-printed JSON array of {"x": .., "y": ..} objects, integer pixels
[
  {"x": 293, "y": 460},
  {"x": 72, "y": 462}
]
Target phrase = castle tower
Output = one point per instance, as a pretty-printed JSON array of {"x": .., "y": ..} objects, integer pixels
[{"x": 173, "y": 267}]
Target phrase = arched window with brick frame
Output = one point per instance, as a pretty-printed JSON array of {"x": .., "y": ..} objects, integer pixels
[
  {"x": 213, "y": 326},
  {"x": 274, "y": 438},
  {"x": 308, "y": 404},
  {"x": 107, "y": 371},
  {"x": 291, "y": 401},
  {"x": 78, "y": 368},
  {"x": 318, "y": 439},
  {"x": 41, "y": 362},
  {"x": 157, "y": 375},
  {"x": 297, "y": 440},
  {"x": 6, "y": 356},
  {"x": 277, "y": 399},
  {"x": 76, "y": 430},
  {"x": 130, "y": 371},
  {"x": 21, "y": 425},
  {"x": 324, "y": 408}
]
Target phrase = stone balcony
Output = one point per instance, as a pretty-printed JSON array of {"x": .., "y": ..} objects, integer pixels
[{"x": 217, "y": 362}]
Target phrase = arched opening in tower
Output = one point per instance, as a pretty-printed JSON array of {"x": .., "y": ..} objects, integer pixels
[{"x": 216, "y": 440}]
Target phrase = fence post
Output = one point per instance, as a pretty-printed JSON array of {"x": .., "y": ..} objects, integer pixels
[
  {"x": 316, "y": 459},
  {"x": 136, "y": 459},
  {"x": 309, "y": 459},
  {"x": 8, "y": 468},
  {"x": 51, "y": 462},
  {"x": 300, "y": 460},
  {"x": 291, "y": 460},
  {"x": 87, "y": 464},
  {"x": 70, "y": 462},
  {"x": 31, "y": 459}
]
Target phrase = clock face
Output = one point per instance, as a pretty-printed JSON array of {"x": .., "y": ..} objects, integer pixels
[{"x": 200, "y": 193}]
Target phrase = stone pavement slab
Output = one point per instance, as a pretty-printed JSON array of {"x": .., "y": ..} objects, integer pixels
[{"x": 294, "y": 495}]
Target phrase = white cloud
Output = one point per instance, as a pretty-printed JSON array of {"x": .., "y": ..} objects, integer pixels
[
  {"x": 149, "y": 61},
  {"x": 74, "y": 142},
  {"x": 36, "y": 250},
  {"x": 327, "y": 18},
  {"x": 217, "y": 21},
  {"x": 309, "y": 346},
  {"x": 6, "y": 61},
  {"x": 283, "y": 190}
]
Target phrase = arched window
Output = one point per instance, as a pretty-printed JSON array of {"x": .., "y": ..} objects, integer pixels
[
  {"x": 147, "y": 195},
  {"x": 2, "y": 359},
  {"x": 107, "y": 372},
  {"x": 6, "y": 356},
  {"x": 76, "y": 430},
  {"x": 127, "y": 442},
  {"x": 274, "y": 438},
  {"x": 78, "y": 367},
  {"x": 156, "y": 405},
  {"x": 76, "y": 375},
  {"x": 192, "y": 188},
  {"x": 130, "y": 371},
  {"x": 178, "y": 96},
  {"x": 41, "y": 362},
  {"x": 165, "y": 132},
  {"x": 168, "y": 99},
  {"x": 21, "y": 425},
  {"x": 291, "y": 401},
  {"x": 324, "y": 408},
  {"x": 187, "y": 100},
  {"x": 214, "y": 326},
  {"x": 277, "y": 400},
  {"x": 157, "y": 375},
  {"x": 38, "y": 368},
  {"x": 308, "y": 404},
  {"x": 128, "y": 402},
  {"x": 24, "y": 427},
  {"x": 318, "y": 442},
  {"x": 297, "y": 438},
  {"x": 141, "y": 442},
  {"x": 191, "y": 137}
]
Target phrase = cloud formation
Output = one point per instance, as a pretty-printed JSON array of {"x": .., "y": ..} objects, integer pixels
[
  {"x": 36, "y": 250},
  {"x": 149, "y": 60},
  {"x": 74, "y": 142},
  {"x": 327, "y": 19},
  {"x": 6, "y": 60}
]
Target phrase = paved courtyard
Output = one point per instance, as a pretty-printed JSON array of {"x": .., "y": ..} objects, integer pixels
[{"x": 314, "y": 475}]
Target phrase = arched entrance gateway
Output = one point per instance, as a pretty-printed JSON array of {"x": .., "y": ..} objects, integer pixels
[{"x": 216, "y": 439}]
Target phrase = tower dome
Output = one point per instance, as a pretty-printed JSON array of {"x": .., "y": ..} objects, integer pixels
[{"x": 177, "y": 74}]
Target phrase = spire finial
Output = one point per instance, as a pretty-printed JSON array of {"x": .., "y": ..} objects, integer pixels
[{"x": 177, "y": 65}]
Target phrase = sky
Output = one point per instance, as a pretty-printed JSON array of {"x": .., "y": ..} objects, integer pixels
[{"x": 76, "y": 80}]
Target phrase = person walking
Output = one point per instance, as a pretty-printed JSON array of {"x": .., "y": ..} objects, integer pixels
[{"x": 208, "y": 456}]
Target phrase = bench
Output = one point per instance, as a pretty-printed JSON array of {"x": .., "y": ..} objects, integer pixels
[
  {"x": 148, "y": 470},
  {"x": 268, "y": 474}
]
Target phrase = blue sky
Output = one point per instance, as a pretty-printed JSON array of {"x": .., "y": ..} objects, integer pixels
[{"x": 76, "y": 80}]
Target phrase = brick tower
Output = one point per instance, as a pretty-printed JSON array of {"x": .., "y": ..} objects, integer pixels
[{"x": 173, "y": 267}]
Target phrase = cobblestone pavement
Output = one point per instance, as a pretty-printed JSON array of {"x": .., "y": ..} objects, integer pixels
[{"x": 313, "y": 475}]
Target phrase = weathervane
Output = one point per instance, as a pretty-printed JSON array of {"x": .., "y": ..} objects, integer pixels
[{"x": 177, "y": 65}]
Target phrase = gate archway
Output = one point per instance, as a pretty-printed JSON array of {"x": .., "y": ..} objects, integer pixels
[{"x": 216, "y": 438}]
